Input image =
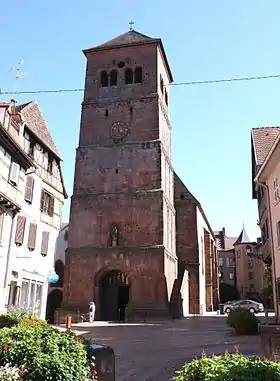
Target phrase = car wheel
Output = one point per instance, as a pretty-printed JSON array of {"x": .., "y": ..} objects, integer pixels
[
  {"x": 227, "y": 311},
  {"x": 252, "y": 310}
]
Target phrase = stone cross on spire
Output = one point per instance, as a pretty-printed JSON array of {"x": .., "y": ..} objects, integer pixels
[{"x": 131, "y": 25}]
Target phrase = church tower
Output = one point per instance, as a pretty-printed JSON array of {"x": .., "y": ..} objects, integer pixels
[{"x": 121, "y": 240}]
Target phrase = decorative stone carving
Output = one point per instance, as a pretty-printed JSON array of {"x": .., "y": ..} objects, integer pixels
[{"x": 114, "y": 235}]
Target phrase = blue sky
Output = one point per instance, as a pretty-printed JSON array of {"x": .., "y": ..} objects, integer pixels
[{"x": 203, "y": 40}]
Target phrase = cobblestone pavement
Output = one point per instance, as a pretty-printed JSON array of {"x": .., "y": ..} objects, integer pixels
[{"x": 152, "y": 352}]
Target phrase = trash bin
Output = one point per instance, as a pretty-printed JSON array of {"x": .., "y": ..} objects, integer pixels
[
  {"x": 221, "y": 308},
  {"x": 103, "y": 357}
]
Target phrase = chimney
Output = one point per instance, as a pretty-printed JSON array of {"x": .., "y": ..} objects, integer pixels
[{"x": 13, "y": 106}]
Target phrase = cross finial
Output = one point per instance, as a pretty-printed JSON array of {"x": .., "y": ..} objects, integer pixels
[{"x": 131, "y": 25}]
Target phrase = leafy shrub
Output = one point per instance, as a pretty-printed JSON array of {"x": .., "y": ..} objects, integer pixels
[
  {"x": 243, "y": 321},
  {"x": 16, "y": 316},
  {"x": 229, "y": 367},
  {"x": 45, "y": 352}
]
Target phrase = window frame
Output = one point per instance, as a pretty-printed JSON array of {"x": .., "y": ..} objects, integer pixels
[
  {"x": 50, "y": 210},
  {"x": 278, "y": 233},
  {"x": 2, "y": 222},
  {"x": 276, "y": 190}
]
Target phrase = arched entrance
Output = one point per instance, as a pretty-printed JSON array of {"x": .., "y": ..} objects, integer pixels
[
  {"x": 53, "y": 303},
  {"x": 114, "y": 296}
]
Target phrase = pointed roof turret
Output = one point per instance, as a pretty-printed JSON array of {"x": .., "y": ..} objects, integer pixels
[{"x": 243, "y": 238}]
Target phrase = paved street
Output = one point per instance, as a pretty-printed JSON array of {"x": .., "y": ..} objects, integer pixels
[{"x": 152, "y": 352}]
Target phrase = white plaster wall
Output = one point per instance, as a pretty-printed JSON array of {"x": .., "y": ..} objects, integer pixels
[
  {"x": 61, "y": 245},
  {"x": 31, "y": 264},
  {"x": 4, "y": 246},
  {"x": 28, "y": 264}
]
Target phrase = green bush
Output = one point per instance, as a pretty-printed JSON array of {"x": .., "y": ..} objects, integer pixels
[
  {"x": 15, "y": 317},
  {"x": 46, "y": 353},
  {"x": 243, "y": 321},
  {"x": 229, "y": 367}
]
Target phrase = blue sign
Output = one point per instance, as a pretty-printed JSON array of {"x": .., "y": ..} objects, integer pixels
[{"x": 53, "y": 278}]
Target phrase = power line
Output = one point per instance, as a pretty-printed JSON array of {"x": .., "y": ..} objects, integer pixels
[{"x": 205, "y": 82}]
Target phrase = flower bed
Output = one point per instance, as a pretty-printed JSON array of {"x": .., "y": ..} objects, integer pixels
[
  {"x": 229, "y": 367},
  {"x": 43, "y": 352}
]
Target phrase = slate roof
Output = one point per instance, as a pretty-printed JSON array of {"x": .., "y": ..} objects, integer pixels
[
  {"x": 127, "y": 38},
  {"x": 243, "y": 238},
  {"x": 263, "y": 139},
  {"x": 33, "y": 118}
]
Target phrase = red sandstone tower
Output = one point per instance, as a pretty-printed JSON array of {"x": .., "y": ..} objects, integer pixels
[{"x": 121, "y": 245}]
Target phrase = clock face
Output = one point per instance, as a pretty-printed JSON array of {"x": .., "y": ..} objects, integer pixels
[{"x": 119, "y": 130}]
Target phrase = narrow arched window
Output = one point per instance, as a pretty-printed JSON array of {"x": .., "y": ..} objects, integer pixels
[
  {"x": 161, "y": 84},
  {"x": 128, "y": 76},
  {"x": 104, "y": 78},
  {"x": 113, "y": 78},
  {"x": 138, "y": 75},
  {"x": 166, "y": 97}
]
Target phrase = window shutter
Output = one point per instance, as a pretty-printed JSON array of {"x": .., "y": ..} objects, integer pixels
[
  {"x": 29, "y": 189},
  {"x": 45, "y": 243},
  {"x": 32, "y": 236},
  {"x": 51, "y": 206},
  {"x": 14, "y": 173},
  {"x": 19, "y": 236},
  {"x": 42, "y": 200}
]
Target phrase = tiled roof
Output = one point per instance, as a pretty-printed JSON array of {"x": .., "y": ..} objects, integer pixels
[
  {"x": 35, "y": 122},
  {"x": 243, "y": 238},
  {"x": 263, "y": 139},
  {"x": 127, "y": 38}
]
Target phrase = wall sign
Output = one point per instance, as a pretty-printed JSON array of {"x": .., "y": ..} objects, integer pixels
[{"x": 53, "y": 278}]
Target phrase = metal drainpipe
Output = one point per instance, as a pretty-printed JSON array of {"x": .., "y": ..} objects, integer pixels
[
  {"x": 9, "y": 251},
  {"x": 274, "y": 281}
]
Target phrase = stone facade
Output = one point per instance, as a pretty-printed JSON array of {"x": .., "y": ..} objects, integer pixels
[
  {"x": 123, "y": 181},
  {"x": 123, "y": 222},
  {"x": 196, "y": 249}
]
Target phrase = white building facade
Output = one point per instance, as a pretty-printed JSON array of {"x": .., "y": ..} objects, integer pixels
[
  {"x": 29, "y": 238},
  {"x": 55, "y": 294}
]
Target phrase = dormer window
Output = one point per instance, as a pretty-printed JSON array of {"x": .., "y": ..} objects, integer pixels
[
  {"x": 31, "y": 149},
  {"x": 50, "y": 165},
  {"x": 161, "y": 84}
]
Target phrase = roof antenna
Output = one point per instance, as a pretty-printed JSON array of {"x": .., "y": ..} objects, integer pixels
[
  {"x": 131, "y": 25},
  {"x": 18, "y": 75}
]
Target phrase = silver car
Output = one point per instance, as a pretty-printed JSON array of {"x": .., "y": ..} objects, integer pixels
[{"x": 250, "y": 305}]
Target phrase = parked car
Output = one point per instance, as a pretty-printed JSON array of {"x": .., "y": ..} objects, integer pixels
[{"x": 250, "y": 305}]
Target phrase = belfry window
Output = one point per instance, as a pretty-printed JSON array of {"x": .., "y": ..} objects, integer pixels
[
  {"x": 104, "y": 78},
  {"x": 128, "y": 76},
  {"x": 113, "y": 78},
  {"x": 138, "y": 77}
]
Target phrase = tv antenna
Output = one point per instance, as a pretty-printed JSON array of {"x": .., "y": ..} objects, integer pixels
[{"x": 18, "y": 74}]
